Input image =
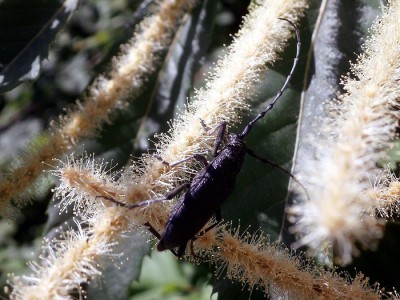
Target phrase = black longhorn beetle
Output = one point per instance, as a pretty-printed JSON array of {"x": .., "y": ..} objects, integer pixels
[{"x": 210, "y": 186}]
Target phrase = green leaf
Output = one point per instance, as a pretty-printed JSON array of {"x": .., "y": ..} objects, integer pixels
[
  {"x": 27, "y": 29},
  {"x": 118, "y": 272},
  {"x": 261, "y": 192},
  {"x": 177, "y": 280},
  {"x": 259, "y": 197}
]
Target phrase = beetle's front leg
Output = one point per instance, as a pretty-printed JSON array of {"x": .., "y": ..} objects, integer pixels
[
  {"x": 219, "y": 138},
  {"x": 220, "y": 134}
]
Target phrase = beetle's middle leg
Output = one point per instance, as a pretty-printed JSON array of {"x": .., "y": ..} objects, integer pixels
[
  {"x": 269, "y": 162},
  {"x": 167, "y": 197}
]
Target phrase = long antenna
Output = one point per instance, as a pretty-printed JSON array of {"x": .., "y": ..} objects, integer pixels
[{"x": 279, "y": 94}]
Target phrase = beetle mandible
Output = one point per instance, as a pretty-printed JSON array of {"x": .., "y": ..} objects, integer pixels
[{"x": 210, "y": 186}]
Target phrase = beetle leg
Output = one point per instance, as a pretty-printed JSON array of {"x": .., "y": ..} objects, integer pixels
[
  {"x": 167, "y": 197},
  {"x": 181, "y": 250},
  {"x": 267, "y": 161},
  {"x": 220, "y": 135},
  {"x": 198, "y": 257},
  {"x": 218, "y": 218},
  {"x": 152, "y": 230},
  {"x": 209, "y": 130},
  {"x": 205, "y": 127},
  {"x": 157, "y": 235},
  {"x": 200, "y": 158},
  {"x": 219, "y": 138}
]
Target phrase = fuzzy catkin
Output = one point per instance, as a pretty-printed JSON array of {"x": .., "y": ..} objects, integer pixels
[
  {"x": 138, "y": 58},
  {"x": 361, "y": 131},
  {"x": 258, "y": 43},
  {"x": 255, "y": 262}
]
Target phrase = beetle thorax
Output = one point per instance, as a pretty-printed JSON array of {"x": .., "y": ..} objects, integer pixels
[
  {"x": 234, "y": 138},
  {"x": 235, "y": 148}
]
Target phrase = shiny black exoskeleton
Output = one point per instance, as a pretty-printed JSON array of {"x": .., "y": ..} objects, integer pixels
[{"x": 204, "y": 197}]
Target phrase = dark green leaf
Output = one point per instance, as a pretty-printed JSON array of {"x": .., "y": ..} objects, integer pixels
[
  {"x": 261, "y": 190},
  {"x": 119, "y": 272}
]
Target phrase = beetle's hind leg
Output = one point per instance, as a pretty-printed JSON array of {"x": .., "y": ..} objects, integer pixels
[
  {"x": 158, "y": 236},
  {"x": 218, "y": 218}
]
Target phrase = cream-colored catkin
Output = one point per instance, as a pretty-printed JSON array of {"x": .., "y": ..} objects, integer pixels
[
  {"x": 258, "y": 44},
  {"x": 85, "y": 179},
  {"x": 138, "y": 58},
  {"x": 360, "y": 133},
  {"x": 255, "y": 262}
]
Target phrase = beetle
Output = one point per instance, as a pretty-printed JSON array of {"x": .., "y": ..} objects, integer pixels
[{"x": 212, "y": 185}]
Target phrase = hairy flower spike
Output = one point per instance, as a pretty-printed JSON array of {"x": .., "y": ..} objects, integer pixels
[
  {"x": 252, "y": 260},
  {"x": 363, "y": 129},
  {"x": 81, "y": 181},
  {"x": 139, "y": 57},
  {"x": 78, "y": 262},
  {"x": 220, "y": 101}
]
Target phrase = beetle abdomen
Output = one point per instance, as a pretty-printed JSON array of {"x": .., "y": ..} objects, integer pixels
[{"x": 208, "y": 190}]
